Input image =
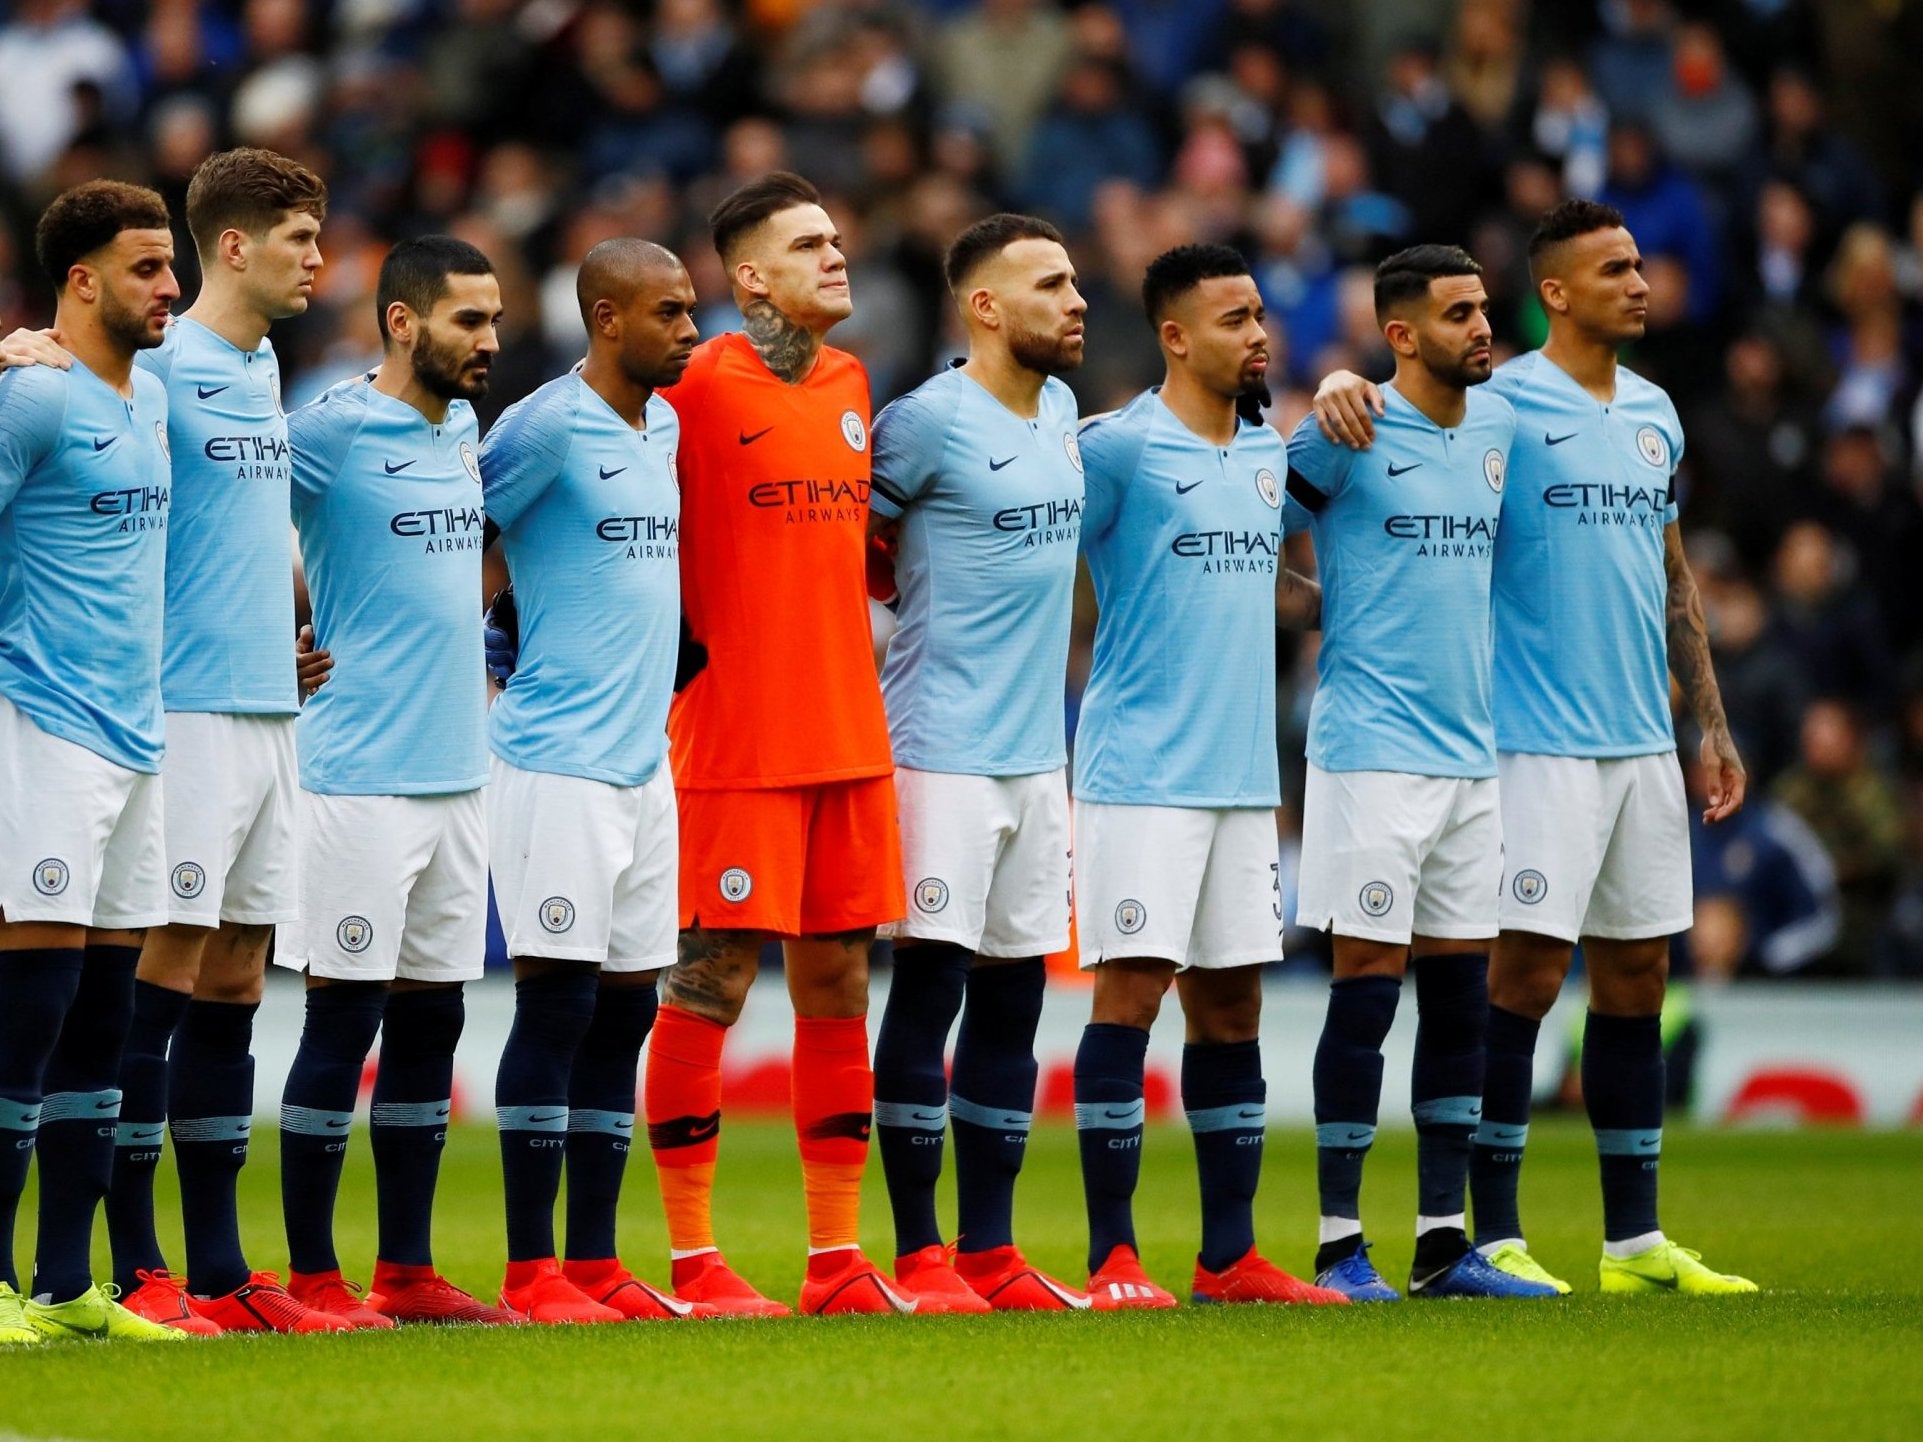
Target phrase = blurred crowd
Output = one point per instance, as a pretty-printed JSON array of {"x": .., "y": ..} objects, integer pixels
[{"x": 1765, "y": 152}]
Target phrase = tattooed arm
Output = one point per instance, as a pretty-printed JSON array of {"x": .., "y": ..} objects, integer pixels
[
  {"x": 1689, "y": 661},
  {"x": 784, "y": 347}
]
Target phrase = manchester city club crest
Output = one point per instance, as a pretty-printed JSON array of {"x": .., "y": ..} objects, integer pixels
[
  {"x": 1492, "y": 468},
  {"x": 354, "y": 933},
  {"x": 1073, "y": 448},
  {"x": 1130, "y": 916},
  {"x": 1529, "y": 887},
  {"x": 853, "y": 431},
  {"x": 471, "y": 462},
  {"x": 736, "y": 883},
  {"x": 1652, "y": 447},
  {"x": 931, "y": 895},
  {"x": 160, "y": 435},
  {"x": 50, "y": 876},
  {"x": 189, "y": 880},
  {"x": 557, "y": 914},
  {"x": 1267, "y": 488},
  {"x": 1376, "y": 897}
]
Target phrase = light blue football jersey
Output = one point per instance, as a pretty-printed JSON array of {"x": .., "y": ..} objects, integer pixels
[
  {"x": 389, "y": 511},
  {"x": 1405, "y": 537},
  {"x": 1184, "y": 544},
  {"x": 229, "y": 640},
  {"x": 84, "y": 488},
  {"x": 990, "y": 505},
  {"x": 1582, "y": 656},
  {"x": 590, "y": 516}
]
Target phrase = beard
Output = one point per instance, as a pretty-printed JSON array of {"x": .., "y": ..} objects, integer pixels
[
  {"x": 1047, "y": 355},
  {"x": 1454, "y": 369},
  {"x": 126, "y": 326},
  {"x": 442, "y": 371},
  {"x": 1253, "y": 400}
]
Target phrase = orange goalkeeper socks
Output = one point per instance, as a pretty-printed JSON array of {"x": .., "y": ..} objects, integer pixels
[
  {"x": 684, "y": 1121},
  {"x": 834, "y": 1098}
]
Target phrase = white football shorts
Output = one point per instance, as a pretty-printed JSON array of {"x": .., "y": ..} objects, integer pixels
[
  {"x": 583, "y": 870},
  {"x": 1197, "y": 886},
  {"x": 233, "y": 785},
  {"x": 1387, "y": 855},
  {"x": 1595, "y": 847},
  {"x": 986, "y": 861}
]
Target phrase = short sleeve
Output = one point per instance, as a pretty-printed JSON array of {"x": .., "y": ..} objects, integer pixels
[
  {"x": 158, "y": 361},
  {"x": 523, "y": 454},
  {"x": 33, "y": 406},
  {"x": 319, "y": 434},
  {"x": 1318, "y": 468},
  {"x": 1111, "y": 447},
  {"x": 910, "y": 436},
  {"x": 1674, "y": 425}
]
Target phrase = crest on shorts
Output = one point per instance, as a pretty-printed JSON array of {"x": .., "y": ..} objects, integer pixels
[
  {"x": 1267, "y": 488},
  {"x": 1376, "y": 897},
  {"x": 354, "y": 933},
  {"x": 471, "y": 462},
  {"x": 189, "y": 880},
  {"x": 931, "y": 895},
  {"x": 736, "y": 883},
  {"x": 1074, "y": 449},
  {"x": 1652, "y": 447},
  {"x": 50, "y": 876},
  {"x": 557, "y": 914},
  {"x": 1492, "y": 470},
  {"x": 1529, "y": 887},
  {"x": 1130, "y": 916},
  {"x": 853, "y": 431}
]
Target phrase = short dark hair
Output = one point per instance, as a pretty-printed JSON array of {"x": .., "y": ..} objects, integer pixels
[
  {"x": 741, "y": 212},
  {"x": 1567, "y": 221},
  {"x": 986, "y": 239},
  {"x": 1174, "y": 273},
  {"x": 249, "y": 190},
  {"x": 1405, "y": 276},
  {"x": 82, "y": 220},
  {"x": 415, "y": 273}
]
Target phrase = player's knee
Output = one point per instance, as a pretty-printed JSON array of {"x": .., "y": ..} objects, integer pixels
[
  {"x": 1222, "y": 1007},
  {"x": 1628, "y": 979},
  {"x": 712, "y": 976},
  {"x": 233, "y": 966},
  {"x": 1129, "y": 993}
]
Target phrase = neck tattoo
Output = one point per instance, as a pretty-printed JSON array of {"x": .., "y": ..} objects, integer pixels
[{"x": 784, "y": 347}]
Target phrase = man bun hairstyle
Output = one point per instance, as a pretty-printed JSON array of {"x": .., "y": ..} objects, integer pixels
[
  {"x": 416, "y": 271},
  {"x": 1405, "y": 276},
  {"x": 249, "y": 190},
  {"x": 82, "y": 220},
  {"x": 1174, "y": 273},
  {"x": 986, "y": 239},
  {"x": 749, "y": 206}
]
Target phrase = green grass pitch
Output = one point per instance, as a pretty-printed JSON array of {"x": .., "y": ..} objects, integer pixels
[{"x": 1827, "y": 1221}]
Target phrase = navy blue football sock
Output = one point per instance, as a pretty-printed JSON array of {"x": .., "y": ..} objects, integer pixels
[
  {"x": 551, "y": 1015},
  {"x": 77, "y": 1121},
  {"x": 1495, "y": 1163},
  {"x": 1445, "y": 1090},
  {"x": 38, "y": 984},
  {"x": 1622, "y": 1086},
  {"x": 210, "y": 1107},
  {"x": 992, "y": 1101},
  {"x": 1348, "y": 1092},
  {"x": 601, "y": 1116},
  {"x": 1109, "y": 1113},
  {"x": 317, "y": 1110},
  {"x": 911, "y": 1082},
  {"x": 140, "y": 1133},
  {"x": 412, "y": 1107},
  {"x": 1227, "y": 1105}
]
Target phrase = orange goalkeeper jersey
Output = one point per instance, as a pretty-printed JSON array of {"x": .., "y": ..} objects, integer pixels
[{"x": 774, "y": 516}]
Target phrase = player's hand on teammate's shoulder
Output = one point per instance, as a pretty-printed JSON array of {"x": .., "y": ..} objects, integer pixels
[
  {"x": 311, "y": 664},
  {"x": 1342, "y": 404},
  {"x": 501, "y": 634},
  {"x": 33, "y": 348}
]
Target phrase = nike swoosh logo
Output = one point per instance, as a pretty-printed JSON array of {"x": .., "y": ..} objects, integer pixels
[
  {"x": 107, "y": 1106},
  {"x": 536, "y": 1121},
  {"x": 929, "y": 1116},
  {"x": 1182, "y": 490},
  {"x": 1549, "y": 440},
  {"x": 337, "y": 1125},
  {"x": 624, "y": 1126},
  {"x": 995, "y": 465},
  {"x": 608, "y": 475},
  {"x": 1248, "y": 1116},
  {"x": 1395, "y": 471},
  {"x": 1648, "y": 1144},
  {"x": 102, "y": 445},
  {"x": 1117, "y": 1116},
  {"x": 394, "y": 470},
  {"x": 1358, "y": 1136},
  {"x": 205, "y": 394},
  {"x": 702, "y": 1130},
  {"x": 748, "y": 440}
]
